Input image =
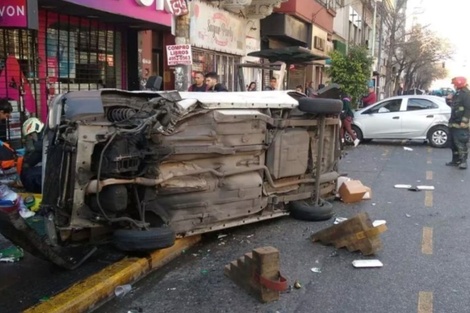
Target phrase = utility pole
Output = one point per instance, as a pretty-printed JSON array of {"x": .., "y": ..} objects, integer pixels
[{"x": 182, "y": 72}]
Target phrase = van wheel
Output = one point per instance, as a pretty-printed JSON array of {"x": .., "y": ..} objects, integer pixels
[
  {"x": 306, "y": 210},
  {"x": 144, "y": 240},
  {"x": 320, "y": 106}
]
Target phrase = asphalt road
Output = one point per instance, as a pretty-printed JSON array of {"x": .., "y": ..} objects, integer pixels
[{"x": 425, "y": 252}]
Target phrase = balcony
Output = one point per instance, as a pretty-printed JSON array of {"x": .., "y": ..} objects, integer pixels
[{"x": 252, "y": 9}]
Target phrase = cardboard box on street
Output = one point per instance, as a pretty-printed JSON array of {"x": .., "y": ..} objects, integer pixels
[
  {"x": 368, "y": 194},
  {"x": 352, "y": 191}
]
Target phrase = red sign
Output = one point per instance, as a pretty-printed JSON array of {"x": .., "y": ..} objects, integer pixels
[
  {"x": 13, "y": 13},
  {"x": 176, "y": 7}
]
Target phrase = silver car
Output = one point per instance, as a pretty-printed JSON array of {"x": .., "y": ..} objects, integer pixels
[{"x": 415, "y": 117}]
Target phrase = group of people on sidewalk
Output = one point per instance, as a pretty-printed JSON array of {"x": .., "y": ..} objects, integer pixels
[
  {"x": 25, "y": 167},
  {"x": 207, "y": 83}
]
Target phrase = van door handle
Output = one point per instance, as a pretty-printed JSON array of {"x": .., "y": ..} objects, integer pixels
[
  {"x": 429, "y": 116},
  {"x": 396, "y": 117}
]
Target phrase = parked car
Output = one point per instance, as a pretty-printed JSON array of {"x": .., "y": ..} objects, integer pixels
[
  {"x": 416, "y": 117},
  {"x": 142, "y": 168}
]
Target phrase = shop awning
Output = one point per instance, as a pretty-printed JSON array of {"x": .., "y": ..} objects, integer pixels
[{"x": 288, "y": 55}]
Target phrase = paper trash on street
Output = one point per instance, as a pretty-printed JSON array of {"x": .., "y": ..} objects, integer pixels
[
  {"x": 379, "y": 222},
  {"x": 402, "y": 186},
  {"x": 339, "y": 220},
  {"x": 407, "y": 149},
  {"x": 425, "y": 187},
  {"x": 367, "y": 263}
]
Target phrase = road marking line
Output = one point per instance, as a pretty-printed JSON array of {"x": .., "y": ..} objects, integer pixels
[
  {"x": 426, "y": 244},
  {"x": 425, "y": 302},
  {"x": 428, "y": 198},
  {"x": 428, "y": 175}
]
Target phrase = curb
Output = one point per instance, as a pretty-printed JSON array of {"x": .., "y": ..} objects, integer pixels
[{"x": 98, "y": 288}]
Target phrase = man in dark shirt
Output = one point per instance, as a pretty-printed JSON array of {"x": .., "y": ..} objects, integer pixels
[
  {"x": 198, "y": 83},
  {"x": 211, "y": 81}
]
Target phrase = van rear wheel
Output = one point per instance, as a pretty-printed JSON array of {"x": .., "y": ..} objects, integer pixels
[
  {"x": 144, "y": 240},
  {"x": 307, "y": 210}
]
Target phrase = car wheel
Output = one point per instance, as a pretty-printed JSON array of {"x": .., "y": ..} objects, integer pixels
[
  {"x": 320, "y": 106},
  {"x": 143, "y": 240},
  {"x": 438, "y": 136},
  {"x": 357, "y": 131},
  {"x": 306, "y": 210}
]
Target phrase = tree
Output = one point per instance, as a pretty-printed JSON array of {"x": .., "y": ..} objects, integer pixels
[
  {"x": 421, "y": 54},
  {"x": 395, "y": 22},
  {"x": 351, "y": 71}
]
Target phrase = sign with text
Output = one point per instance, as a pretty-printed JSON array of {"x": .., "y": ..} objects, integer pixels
[
  {"x": 176, "y": 7},
  {"x": 19, "y": 14},
  {"x": 179, "y": 55},
  {"x": 216, "y": 29}
]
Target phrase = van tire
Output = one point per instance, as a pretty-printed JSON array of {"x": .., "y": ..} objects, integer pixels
[
  {"x": 320, "y": 106},
  {"x": 306, "y": 210},
  {"x": 144, "y": 240}
]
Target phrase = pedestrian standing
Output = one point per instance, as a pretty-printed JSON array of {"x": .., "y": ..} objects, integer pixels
[
  {"x": 199, "y": 84},
  {"x": 347, "y": 116},
  {"x": 252, "y": 86},
  {"x": 310, "y": 90},
  {"x": 371, "y": 98},
  {"x": 459, "y": 123},
  {"x": 272, "y": 84},
  {"x": 213, "y": 84}
]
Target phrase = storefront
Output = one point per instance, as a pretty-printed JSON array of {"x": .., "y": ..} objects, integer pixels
[
  {"x": 77, "y": 45},
  {"x": 218, "y": 41}
]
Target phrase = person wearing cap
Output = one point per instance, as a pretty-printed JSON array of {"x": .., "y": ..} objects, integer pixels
[
  {"x": 459, "y": 123},
  {"x": 371, "y": 98}
]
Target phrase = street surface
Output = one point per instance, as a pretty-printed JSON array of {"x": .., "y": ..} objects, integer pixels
[{"x": 425, "y": 256}]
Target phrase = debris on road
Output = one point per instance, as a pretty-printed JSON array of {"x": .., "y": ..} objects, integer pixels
[
  {"x": 407, "y": 215},
  {"x": 339, "y": 220},
  {"x": 379, "y": 222},
  {"x": 297, "y": 285},
  {"x": 407, "y": 149},
  {"x": 402, "y": 186},
  {"x": 316, "y": 269},
  {"x": 414, "y": 188},
  {"x": 122, "y": 290},
  {"x": 352, "y": 191},
  {"x": 357, "y": 233},
  {"x": 11, "y": 254},
  {"x": 422, "y": 187},
  {"x": 367, "y": 263},
  {"x": 258, "y": 273},
  {"x": 220, "y": 236}
]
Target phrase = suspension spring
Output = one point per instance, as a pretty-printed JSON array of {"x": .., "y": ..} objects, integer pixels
[{"x": 120, "y": 114}]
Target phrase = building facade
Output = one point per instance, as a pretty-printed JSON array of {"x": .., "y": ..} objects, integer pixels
[{"x": 75, "y": 45}]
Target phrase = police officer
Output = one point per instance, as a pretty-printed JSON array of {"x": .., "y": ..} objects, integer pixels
[{"x": 459, "y": 123}]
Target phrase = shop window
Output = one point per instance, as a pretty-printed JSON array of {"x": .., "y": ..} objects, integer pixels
[
  {"x": 82, "y": 54},
  {"x": 223, "y": 64}
]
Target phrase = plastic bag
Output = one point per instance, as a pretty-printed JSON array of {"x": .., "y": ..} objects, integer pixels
[{"x": 8, "y": 198}]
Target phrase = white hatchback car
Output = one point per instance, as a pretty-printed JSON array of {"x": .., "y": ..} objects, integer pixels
[{"x": 415, "y": 117}]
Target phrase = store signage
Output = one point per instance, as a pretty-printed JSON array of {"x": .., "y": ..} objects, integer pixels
[
  {"x": 18, "y": 14},
  {"x": 216, "y": 29},
  {"x": 179, "y": 55},
  {"x": 175, "y": 7},
  {"x": 146, "y": 10}
]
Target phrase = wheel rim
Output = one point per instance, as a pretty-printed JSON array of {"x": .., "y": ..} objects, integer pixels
[
  {"x": 347, "y": 137},
  {"x": 439, "y": 137}
]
